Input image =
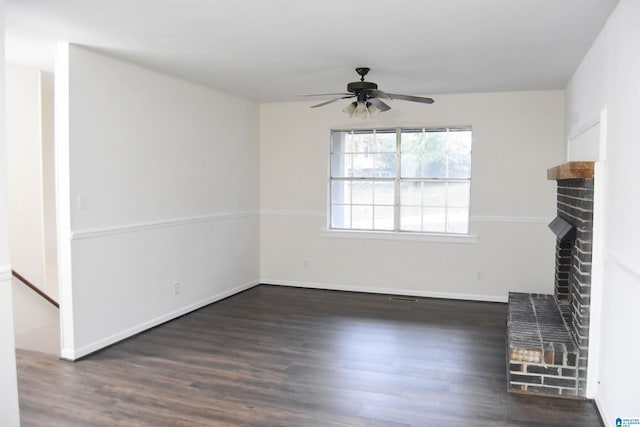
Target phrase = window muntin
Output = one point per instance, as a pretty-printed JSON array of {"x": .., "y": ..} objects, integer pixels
[{"x": 415, "y": 180}]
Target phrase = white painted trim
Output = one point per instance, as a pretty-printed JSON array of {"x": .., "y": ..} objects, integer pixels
[
  {"x": 514, "y": 219},
  {"x": 314, "y": 214},
  {"x": 74, "y": 354},
  {"x": 5, "y": 273},
  {"x": 599, "y": 256},
  {"x": 390, "y": 291},
  {"x": 63, "y": 193},
  {"x": 406, "y": 236},
  {"x": 623, "y": 263},
  {"x": 597, "y": 278},
  {"x": 606, "y": 418},
  {"x": 152, "y": 225}
]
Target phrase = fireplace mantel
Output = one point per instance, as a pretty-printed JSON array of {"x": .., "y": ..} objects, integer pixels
[{"x": 571, "y": 170}]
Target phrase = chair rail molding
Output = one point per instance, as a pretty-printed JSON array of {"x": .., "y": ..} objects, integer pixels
[
  {"x": 511, "y": 218},
  {"x": 151, "y": 225}
]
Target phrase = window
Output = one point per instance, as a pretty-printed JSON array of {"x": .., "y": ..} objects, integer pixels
[{"x": 411, "y": 180}]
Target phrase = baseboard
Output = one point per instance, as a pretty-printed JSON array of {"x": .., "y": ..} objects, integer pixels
[
  {"x": 604, "y": 416},
  {"x": 75, "y": 354},
  {"x": 392, "y": 291}
]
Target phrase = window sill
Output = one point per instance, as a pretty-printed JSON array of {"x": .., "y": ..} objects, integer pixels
[{"x": 406, "y": 236}]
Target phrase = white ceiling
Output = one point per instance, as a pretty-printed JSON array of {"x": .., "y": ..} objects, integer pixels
[{"x": 274, "y": 50}]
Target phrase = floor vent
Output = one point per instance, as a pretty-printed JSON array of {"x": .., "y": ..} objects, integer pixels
[{"x": 405, "y": 299}]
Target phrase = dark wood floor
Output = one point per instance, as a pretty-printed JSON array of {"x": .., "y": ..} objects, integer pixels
[{"x": 276, "y": 356}]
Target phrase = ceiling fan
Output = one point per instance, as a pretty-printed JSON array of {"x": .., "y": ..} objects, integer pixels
[{"x": 368, "y": 97}]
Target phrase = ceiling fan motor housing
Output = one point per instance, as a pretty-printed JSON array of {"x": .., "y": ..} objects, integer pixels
[{"x": 360, "y": 89}]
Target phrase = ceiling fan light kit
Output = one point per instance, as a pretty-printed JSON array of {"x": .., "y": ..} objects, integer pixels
[
  {"x": 361, "y": 110},
  {"x": 367, "y": 96}
]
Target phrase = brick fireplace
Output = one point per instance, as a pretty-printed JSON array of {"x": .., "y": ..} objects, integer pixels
[{"x": 548, "y": 335}]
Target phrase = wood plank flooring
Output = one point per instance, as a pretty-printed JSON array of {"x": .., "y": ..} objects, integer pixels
[{"x": 277, "y": 356}]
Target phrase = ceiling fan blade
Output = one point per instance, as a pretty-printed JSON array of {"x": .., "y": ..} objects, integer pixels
[
  {"x": 379, "y": 94},
  {"x": 331, "y": 100},
  {"x": 328, "y": 94},
  {"x": 411, "y": 98},
  {"x": 379, "y": 104}
]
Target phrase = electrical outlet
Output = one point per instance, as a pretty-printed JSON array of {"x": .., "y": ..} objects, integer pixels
[
  {"x": 305, "y": 264},
  {"x": 176, "y": 288},
  {"x": 479, "y": 274}
]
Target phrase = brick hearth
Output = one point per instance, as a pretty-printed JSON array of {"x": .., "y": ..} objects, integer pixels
[{"x": 543, "y": 356}]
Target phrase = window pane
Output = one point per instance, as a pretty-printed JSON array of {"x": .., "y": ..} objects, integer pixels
[
  {"x": 410, "y": 219},
  {"x": 361, "y": 142},
  {"x": 337, "y": 142},
  {"x": 351, "y": 143},
  {"x": 363, "y": 165},
  {"x": 458, "y": 195},
  {"x": 362, "y": 193},
  {"x": 340, "y": 165},
  {"x": 434, "y": 194},
  {"x": 383, "y": 218},
  {"x": 340, "y": 216},
  {"x": 385, "y": 165},
  {"x": 458, "y": 220},
  {"x": 386, "y": 142},
  {"x": 384, "y": 193},
  {"x": 411, "y": 166},
  {"x": 434, "y": 165},
  {"x": 412, "y": 141},
  {"x": 434, "y": 161},
  {"x": 411, "y": 193},
  {"x": 362, "y": 217},
  {"x": 341, "y": 192},
  {"x": 433, "y": 220},
  {"x": 459, "y": 158}
]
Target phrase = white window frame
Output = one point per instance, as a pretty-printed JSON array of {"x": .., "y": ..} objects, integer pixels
[{"x": 397, "y": 233}]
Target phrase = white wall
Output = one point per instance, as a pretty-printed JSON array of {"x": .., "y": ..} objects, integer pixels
[
  {"x": 517, "y": 136},
  {"x": 609, "y": 78},
  {"x": 24, "y": 145},
  {"x": 36, "y": 324},
  {"x": 9, "y": 412},
  {"x": 163, "y": 188}
]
